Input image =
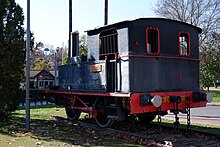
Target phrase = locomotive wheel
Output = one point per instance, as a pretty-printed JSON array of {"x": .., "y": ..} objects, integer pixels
[
  {"x": 72, "y": 114},
  {"x": 102, "y": 113},
  {"x": 146, "y": 118}
]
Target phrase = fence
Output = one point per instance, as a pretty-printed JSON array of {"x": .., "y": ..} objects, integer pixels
[{"x": 35, "y": 98}]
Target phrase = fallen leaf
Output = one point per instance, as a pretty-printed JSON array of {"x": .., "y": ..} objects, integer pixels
[
  {"x": 38, "y": 143},
  {"x": 86, "y": 144}
]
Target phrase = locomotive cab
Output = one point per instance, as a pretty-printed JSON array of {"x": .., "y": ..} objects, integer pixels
[{"x": 155, "y": 55}]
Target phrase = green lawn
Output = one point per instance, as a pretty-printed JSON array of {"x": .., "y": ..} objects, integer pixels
[
  {"x": 216, "y": 94},
  {"x": 47, "y": 131},
  {"x": 194, "y": 126}
]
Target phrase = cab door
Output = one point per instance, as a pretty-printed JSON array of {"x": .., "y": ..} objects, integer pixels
[{"x": 108, "y": 51}]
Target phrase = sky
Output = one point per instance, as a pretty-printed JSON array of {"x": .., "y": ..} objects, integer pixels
[{"x": 50, "y": 18}]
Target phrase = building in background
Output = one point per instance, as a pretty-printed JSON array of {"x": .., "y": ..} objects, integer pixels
[{"x": 41, "y": 79}]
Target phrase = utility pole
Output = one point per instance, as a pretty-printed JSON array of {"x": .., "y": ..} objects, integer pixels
[
  {"x": 27, "y": 106},
  {"x": 70, "y": 29},
  {"x": 106, "y": 12},
  {"x": 55, "y": 66}
]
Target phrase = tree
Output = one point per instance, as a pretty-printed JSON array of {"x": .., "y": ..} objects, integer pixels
[
  {"x": 40, "y": 60},
  {"x": 202, "y": 13},
  {"x": 210, "y": 63},
  {"x": 61, "y": 55},
  {"x": 205, "y": 14},
  {"x": 40, "y": 64},
  {"x": 83, "y": 49},
  {"x": 83, "y": 45},
  {"x": 65, "y": 60},
  {"x": 12, "y": 55}
]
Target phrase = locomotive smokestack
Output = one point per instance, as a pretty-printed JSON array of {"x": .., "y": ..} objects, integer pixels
[
  {"x": 106, "y": 12},
  {"x": 70, "y": 29},
  {"x": 75, "y": 43}
]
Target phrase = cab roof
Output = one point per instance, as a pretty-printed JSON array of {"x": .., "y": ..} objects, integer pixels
[{"x": 127, "y": 22}]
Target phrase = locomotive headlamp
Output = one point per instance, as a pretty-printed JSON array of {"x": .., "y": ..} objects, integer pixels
[
  {"x": 156, "y": 101},
  {"x": 209, "y": 97}
]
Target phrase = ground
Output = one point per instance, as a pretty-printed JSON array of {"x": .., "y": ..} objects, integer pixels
[
  {"x": 216, "y": 94},
  {"x": 47, "y": 131}
]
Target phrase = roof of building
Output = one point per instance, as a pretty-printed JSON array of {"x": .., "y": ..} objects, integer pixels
[{"x": 34, "y": 73}]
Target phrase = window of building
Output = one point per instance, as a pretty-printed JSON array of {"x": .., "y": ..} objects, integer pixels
[
  {"x": 184, "y": 44},
  {"x": 108, "y": 44},
  {"x": 46, "y": 84},
  {"x": 32, "y": 84},
  {"x": 41, "y": 84},
  {"x": 51, "y": 83},
  {"x": 153, "y": 40}
]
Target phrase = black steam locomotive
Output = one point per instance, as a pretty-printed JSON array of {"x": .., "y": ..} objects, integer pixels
[{"x": 142, "y": 68}]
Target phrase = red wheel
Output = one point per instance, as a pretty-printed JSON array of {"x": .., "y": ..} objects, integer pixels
[
  {"x": 72, "y": 114},
  {"x": 102, "y": 118}
]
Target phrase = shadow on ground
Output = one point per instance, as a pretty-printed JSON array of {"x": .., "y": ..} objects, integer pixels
[{"x": 57, "y": 130}]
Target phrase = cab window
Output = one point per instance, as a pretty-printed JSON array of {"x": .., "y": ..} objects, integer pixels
[
  {"x": 152, "y": 40},
  {"x": 184, "y": 43},
  {"x": 108, "y": 43}
]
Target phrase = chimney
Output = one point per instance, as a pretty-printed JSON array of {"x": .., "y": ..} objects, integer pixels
[
  {"x": 70, "y": 29},
  {"x": 75, "y": 43}
]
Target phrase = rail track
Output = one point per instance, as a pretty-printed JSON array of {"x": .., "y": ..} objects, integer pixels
[{"x": 151, "y": 134}]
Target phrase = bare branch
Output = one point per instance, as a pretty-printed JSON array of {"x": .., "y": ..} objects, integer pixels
[{"x": 202, "y": 13}]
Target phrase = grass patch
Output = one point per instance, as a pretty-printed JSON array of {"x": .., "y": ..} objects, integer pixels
[
  {"x": 194, "y": 126},
  {"x": 45, "y": 131},
  {"x": 216, "y": 95},
  {"x": 40, "y": 106}
]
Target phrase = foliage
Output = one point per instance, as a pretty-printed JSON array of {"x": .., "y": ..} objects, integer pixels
[
  {"x": 216, "y": 95},
  {"x": 83, "y": 45},
  {"x": 42, "y": 56},
  {"x": 202, "y": 13},
  {"x": 61, "y": 54},
  {"x": 40, "y": 60},
  {"x": 12, "y": 55},
  {"x": 32, "y": 40},
  {"x": 40, "y": 64},
  {"x": 210, "y": 62},
  {"x": 65, "y": 61},
  {"x": 83, "y": 49},
  {"x": 205, "y": 14},
  {"x": 45, "y": 60}
]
